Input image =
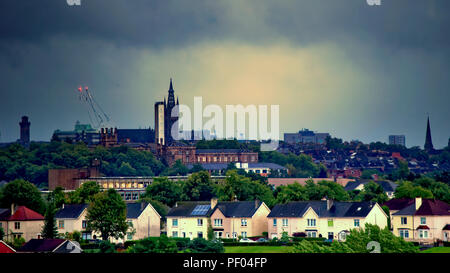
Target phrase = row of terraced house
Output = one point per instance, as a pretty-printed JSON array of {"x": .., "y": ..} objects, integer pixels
[{"x": 420, "y": 220}]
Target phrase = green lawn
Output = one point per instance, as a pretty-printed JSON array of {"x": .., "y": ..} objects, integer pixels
[
  {"x": 440, "y": 249},
  {"x": 258, "y": 249}
]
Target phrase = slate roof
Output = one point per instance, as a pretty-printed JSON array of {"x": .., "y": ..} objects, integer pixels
[
  {"x": 71, "y": 211},
  {"x": 338, "y": 209},
  {"x": 41, "y": 245},
  {"x": 136, "y": 135},
  {"x": 238, "y": 209},
  {"x": 447, "y": 227},
  {"x": 428, "y": 207},
  {"x": 134, "y": 210},
  {"x": 272, "y": 166},
  {"x": 185, "y": 209},
  {"x": 210, "y": 166},
  {"x": 25, "y": 214},
  {"x": 387, "y": 186},
  {"x": 398, "y": 203},
  {"x": 4, "y": 214}
]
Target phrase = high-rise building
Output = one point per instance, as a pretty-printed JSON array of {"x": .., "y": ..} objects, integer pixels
[
  {"x": 428, "y": 142},
  {"x": 24, "y": 131},
  {"x": 397, "y": 140},
  {"x": 164, "y": 118}
]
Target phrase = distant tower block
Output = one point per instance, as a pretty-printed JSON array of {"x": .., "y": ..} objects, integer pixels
[{"x": 24, "y": 131}]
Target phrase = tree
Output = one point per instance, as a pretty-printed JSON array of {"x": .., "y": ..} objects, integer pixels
[
  {"x": 196, "y": 168},
  {"x": 372, "y": 192},
  {"x": 165, "y": 191},
  {"x": 85, "y": 193},
  {"x": 198, "y": 187},
  {"x": 50, "y": 231},
  {"x": 406, "y": 189},
  {"x": 2, "y": 233},
  {"x": 290, "y": 193},
  {"x": 23, "y": 193},
  {"x": 107, "y": 214}
]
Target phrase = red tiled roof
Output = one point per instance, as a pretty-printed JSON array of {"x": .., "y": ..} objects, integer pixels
[
  {"x": 25, "y": 214},
  {"x": 423, "y": 227},
  {"x": 433, "y": 207},
  {"x": 4, "y": 248}
]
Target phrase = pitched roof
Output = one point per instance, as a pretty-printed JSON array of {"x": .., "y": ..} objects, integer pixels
[
  {"x": 4, "y": 214},
  {"x": 134, "y": 210},
  {"x": 433, "y": 207},
  {"x": 210, "y": 166},
  {"x": 398, "y": 203},
  {"x": 447, "y": 227},
  {"x": 271, "y": 166},
  {"x": 5, "y": 248},
  {"x": 25, "y": 214},
  {"x": 41, "y": 245},
  {"x": 71, "y": 211},
  {"x": 238, "y": 208},
  {"x": 185, "y": 209},
  {"x": 387, "y": 186},
  {"x": 428, "y": 207},
  {"x": 338, "y": 209}
]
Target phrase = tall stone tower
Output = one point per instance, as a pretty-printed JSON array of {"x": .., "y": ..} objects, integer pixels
[
  {"x": 24, "y": 131},
  {"x": 168, "y": 119},
  {"x": 428, "y": 142}
]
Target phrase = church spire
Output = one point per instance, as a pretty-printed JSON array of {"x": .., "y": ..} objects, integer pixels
[
  {"x": 428, "y": 142},
  {"x": 170, "y": 87},
  {"x": 171, "y": 97}
]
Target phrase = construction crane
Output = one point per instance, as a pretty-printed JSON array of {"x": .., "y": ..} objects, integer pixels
[{"x": 97, "y": 116}]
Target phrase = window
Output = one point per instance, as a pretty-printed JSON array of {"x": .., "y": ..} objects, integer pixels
[
  {"x": 129, "y": 236},
  {"x": 175, "y": 222},
  {"x": 423, "y": 220},
  {"x": 330, "y": 222},
  {"x": 404, "y": 220},
  {"x": 244, "y": 234},
  {"x": 244, "y": 222},
  {"x": 423, "y": 233},
  {"x": 174, "y": 233},
  {"x": 404, "y": 233},
  {"x": 311, "y": 222},
  {"x": 285, "y": 222},
  {"x": 274, "y": 222},
  {"x": 218, "y": 222},
  {"x": 200, "y": 234},
  {"x": 218, "y": 234},
  {"x": 86, "y": 236},
  {"x": 199, "y": 222},
  {"x": 312, "y": 234},
  {"x": 234, "y": 235},
  {"x": 17, "y": 225},
  {"x": 130, "y": 223},
  {"x": 84, "y": 224},
  {"x": 61, "y": 224},
  {"x": 356, "y": 222}
]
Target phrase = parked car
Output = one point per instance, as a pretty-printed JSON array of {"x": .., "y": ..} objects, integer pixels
[
  {"x": 246, "y": 240},
  {"x": 262, "y": 240}
]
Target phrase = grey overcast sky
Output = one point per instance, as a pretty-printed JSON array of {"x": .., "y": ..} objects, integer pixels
[{"x": 344, "y": 67}]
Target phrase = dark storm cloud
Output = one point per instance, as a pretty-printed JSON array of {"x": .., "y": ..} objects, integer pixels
[
  {"x": 393, "y": 60},
  {"x": 403, "y": 23}
]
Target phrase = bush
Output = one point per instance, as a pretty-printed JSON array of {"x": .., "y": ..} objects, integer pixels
[
  {"x": 161, "y": 244},
  {"x": 106, "y": 247},
  {"x": 181, "y": 243},
  {"x": 200, "y": 245}
]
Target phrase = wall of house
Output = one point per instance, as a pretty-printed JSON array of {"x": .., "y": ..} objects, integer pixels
[
  {"x": 28, "y": 229},
  {"x": 397, "y": 224},
  {"x": 71, "y": 225},
  {"x": 259, "y": 220},
  {"x": 436, "y": 223},
  {"x": 188, "y": 225},
  {"x": 147, "y": 225}
]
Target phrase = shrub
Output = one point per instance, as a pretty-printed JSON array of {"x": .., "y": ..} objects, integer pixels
[{"x": 200, "y": 245}]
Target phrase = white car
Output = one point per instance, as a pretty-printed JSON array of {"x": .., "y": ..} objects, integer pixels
[{"x": 246, "y": 240}]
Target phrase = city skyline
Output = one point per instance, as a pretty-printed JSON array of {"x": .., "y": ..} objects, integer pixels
[{"x": 353, "y": 70}]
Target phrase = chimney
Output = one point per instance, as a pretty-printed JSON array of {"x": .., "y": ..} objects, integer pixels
[
  {"x": 418, "y": 202},
  {"x": 257, "y": 203},
  {"x": 329, "y": 204},
  {"x": 213, "y": 202},
  {"x": 12, "y": 208},
  {"x": 143, "y": 204}
]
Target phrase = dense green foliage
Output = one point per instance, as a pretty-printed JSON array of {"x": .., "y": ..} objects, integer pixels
[
  {"x": 298, "y": 165},
  {"x": 107, "y": 215},
  {"x": 22, "y": 193},
  {"x": 161, "y": 244},
  {"x": 201, "y": 245},
  {"x": 357, "y": 242}
]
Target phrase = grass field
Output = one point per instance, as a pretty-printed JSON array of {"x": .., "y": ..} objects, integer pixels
[
  {"x": 258, "y": 249},
  {"x": 440, "y": 249}
]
